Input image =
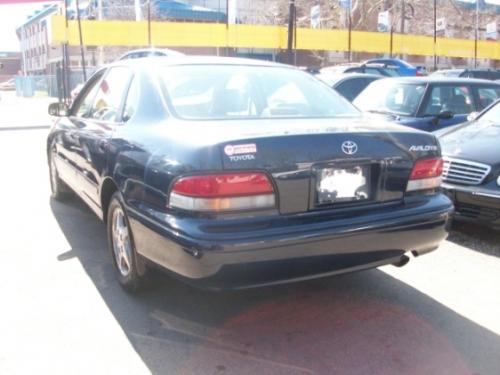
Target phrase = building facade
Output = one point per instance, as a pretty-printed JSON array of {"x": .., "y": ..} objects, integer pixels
[{"x": 33, "y": 37}]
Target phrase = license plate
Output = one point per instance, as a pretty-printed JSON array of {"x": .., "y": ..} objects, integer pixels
[{"x": 343, "y": 184}]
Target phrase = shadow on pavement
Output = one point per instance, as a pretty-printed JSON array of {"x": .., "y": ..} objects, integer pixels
[
  {"x": 363, "y": 323},
  {"x": 476, "y": 237}
]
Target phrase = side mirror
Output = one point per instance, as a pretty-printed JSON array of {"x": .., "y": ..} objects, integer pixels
[
  {"x": 58, "y": 109},
  {"x": 444, "y": 115},
  {"x": 472, "y": 116}
]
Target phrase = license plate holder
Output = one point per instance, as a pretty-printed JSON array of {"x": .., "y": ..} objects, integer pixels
[{"x": 343, "y": 184}]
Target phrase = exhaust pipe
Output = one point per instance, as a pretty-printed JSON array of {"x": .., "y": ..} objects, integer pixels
[{"x": 402, "y": 261}]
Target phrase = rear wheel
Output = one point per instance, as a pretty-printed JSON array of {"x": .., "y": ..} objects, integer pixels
[
  {"x": 59, "y": 190},
  {"x": 131, "y": 273}
]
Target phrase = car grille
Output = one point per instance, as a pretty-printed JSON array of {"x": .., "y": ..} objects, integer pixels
[
  {"x": 464, "y": 172},
  {"x": 476, "y": 212}
]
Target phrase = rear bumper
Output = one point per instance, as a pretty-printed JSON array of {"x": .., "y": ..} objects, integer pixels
[
  {"x": 475, "y": 204},
  {"x": 224, "y": 254}
]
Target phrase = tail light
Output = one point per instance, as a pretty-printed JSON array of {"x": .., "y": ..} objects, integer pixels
[
  {"x": 426, "y": 174},
  {"x": 223, "y": 192}
]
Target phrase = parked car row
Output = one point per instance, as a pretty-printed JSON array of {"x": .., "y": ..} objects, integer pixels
[{"x": 490, "y": 74}]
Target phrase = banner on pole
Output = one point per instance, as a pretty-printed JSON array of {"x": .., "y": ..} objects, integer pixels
[
  {"x": 491, "y": 31},
  {"x": 315, "y": 16},
  {"x": 384, "y": 21},
  {"x": 346, "y": 4},
  {"x": 441, "y": 26}
]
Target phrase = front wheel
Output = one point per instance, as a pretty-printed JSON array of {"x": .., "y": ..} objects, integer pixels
[{"x": 122, "y": 248}]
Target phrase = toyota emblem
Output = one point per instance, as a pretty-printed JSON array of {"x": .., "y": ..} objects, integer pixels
[{"x": 349, "y": 147}]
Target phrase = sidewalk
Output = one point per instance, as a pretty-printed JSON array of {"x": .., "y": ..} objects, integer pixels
[{"x": 21, "y": 113}]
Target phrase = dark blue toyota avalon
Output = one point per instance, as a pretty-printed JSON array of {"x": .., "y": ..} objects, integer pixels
[{"x": 232, "y": 173}]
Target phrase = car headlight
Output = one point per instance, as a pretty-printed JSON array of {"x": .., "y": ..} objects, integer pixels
[{"x": 498, "y": 181}]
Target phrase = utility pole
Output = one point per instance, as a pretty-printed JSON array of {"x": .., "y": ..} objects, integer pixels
[
  {"x": 476, "y": 34},
  {"x": 100, "y": 54},
  {"x": 81, "y": 40},
  {"x": 349, "y": 24},
  {"x": 403, "y": 15},
  {"x": 435, "y": 35},
  {"x": 65, "y": 72},
  {"x": 149, "y": 23},
  {"x": 291, "y": 29}
]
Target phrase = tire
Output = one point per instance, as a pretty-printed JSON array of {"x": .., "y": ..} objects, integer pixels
[
  {"x": 59, "y": 189},
  {"x": 129, "y": 267}
]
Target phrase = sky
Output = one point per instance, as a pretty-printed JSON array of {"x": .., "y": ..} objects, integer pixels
[{"x": 11, "y": 17}]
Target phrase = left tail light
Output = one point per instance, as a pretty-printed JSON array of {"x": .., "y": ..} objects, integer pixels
[
  {"x": 426, "y": 174},
  {"x": 223, "y": 192}
]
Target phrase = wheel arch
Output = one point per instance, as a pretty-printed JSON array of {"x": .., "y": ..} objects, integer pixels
[{"x": 108, "y": 188}]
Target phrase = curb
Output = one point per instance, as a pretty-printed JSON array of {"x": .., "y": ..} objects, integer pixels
[{"x": 34, "y": 127}]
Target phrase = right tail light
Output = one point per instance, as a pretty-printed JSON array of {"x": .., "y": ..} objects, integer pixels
[{"x": 426, "y": 174}]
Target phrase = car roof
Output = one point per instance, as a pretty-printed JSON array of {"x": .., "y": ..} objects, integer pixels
[
  {"x": 391, "y": 59},
  {"x": 444, "y": 79},
  {"x": 156, "y": 61},
  {"x": 336, "y": 78},
  {"x": 449, "y": 70},
  {"x": 166, "y": 51}
]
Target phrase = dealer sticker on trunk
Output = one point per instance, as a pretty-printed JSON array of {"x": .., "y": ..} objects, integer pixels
[{"x": 249, "y": 148}]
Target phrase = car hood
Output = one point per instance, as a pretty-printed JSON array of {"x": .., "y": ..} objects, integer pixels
[{"x": 476, "y": 141}]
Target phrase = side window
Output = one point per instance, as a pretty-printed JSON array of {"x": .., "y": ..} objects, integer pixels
[
  {"x": 487, "y": 95},
  {"x": 132, "y": 101},
  {"x": 84, "y": 105},
  {"x": 354, "y": 70},
  {"x": 482, "y": 75},
  {"x": 351, "y": 88},
  {"x": 373, "y": 71},
  {"x": 456, "y": 99},
  {"x": 108, "y": 100}
]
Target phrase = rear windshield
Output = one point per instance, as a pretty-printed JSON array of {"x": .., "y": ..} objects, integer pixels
[
  {"x": 206, "y": 92},
  {"x": 387, "y": 96}
]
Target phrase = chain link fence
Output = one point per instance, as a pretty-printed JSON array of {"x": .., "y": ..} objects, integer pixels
[{"x": 48, "y": 85}]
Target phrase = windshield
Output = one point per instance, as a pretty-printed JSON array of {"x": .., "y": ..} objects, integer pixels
[
  {"x": 492, "y": 115},
  {"x": 387, "y": 96},
  {"x": 205, "y": 92}
]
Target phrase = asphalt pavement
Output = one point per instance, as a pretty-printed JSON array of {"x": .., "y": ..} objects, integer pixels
[
  {"x": 62, "y": 311},
  {"x": 24, "y": 113}
]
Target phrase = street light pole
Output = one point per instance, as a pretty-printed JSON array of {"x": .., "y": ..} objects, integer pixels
[
  {"x": 349, "y": 21},
  {"x": 149, "y": 23}
]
